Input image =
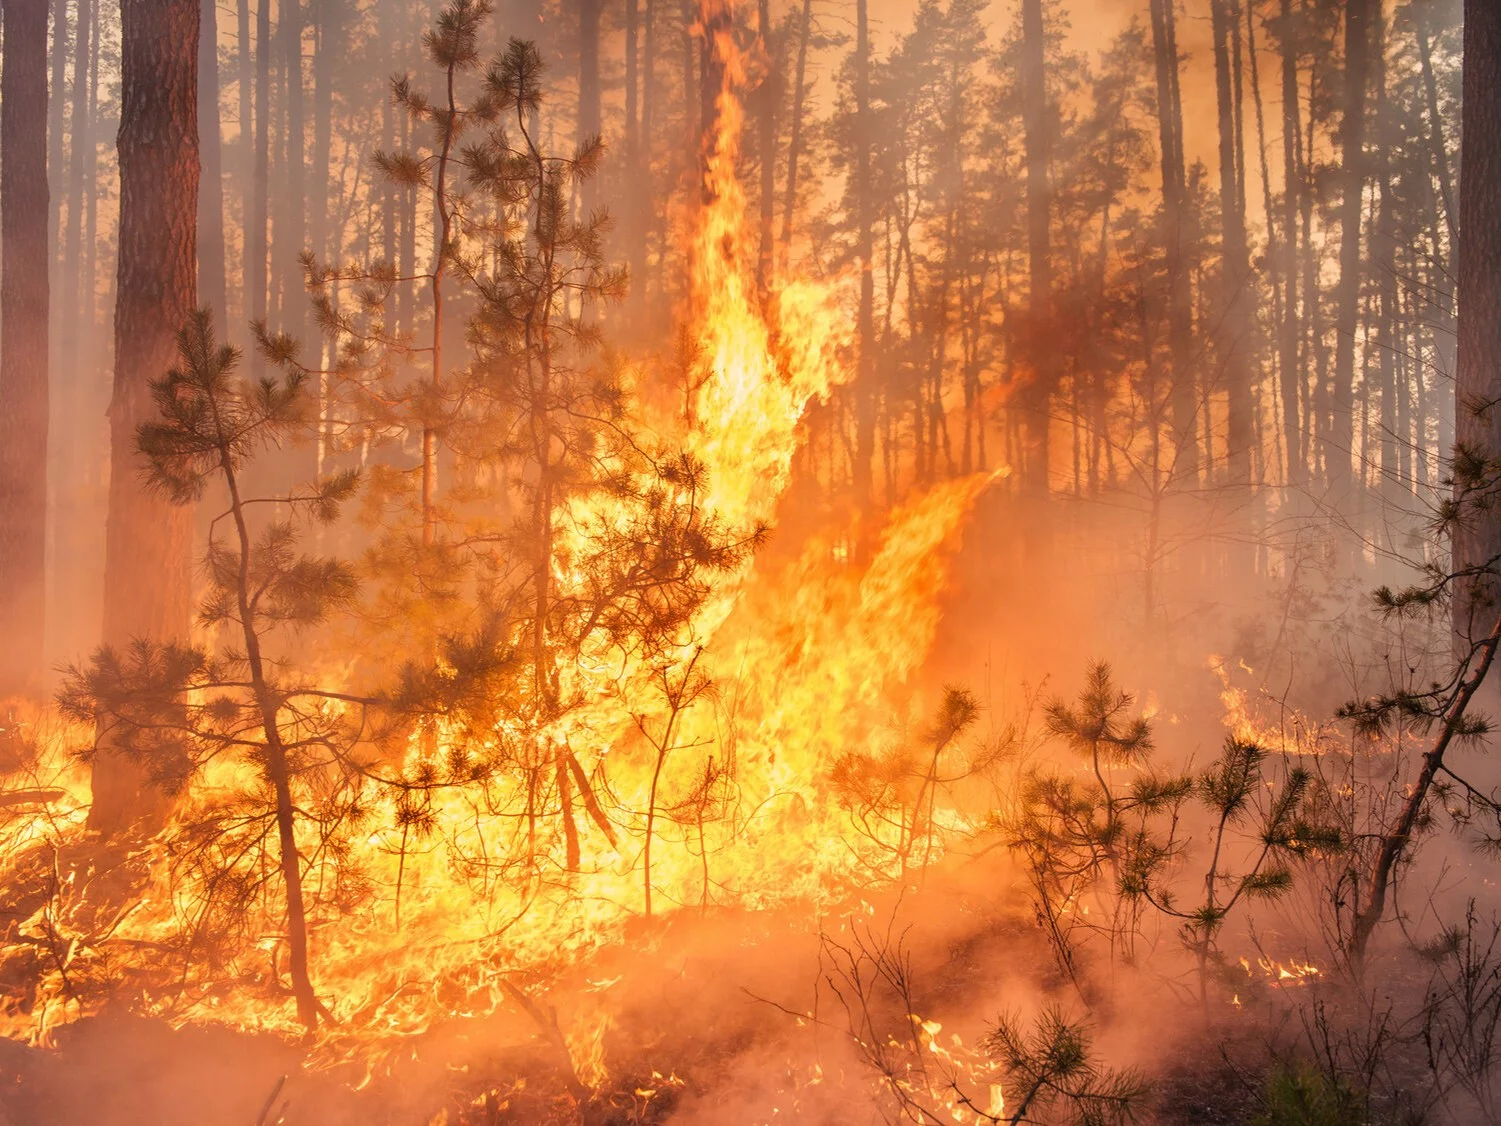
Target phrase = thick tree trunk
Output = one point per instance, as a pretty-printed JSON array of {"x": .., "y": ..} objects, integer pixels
[
  {"x": 1341, "y": 441},
  {"x": 211, "y": 275},
  {"x": 1477, "y": 542},
  {"x": 1038, "y": 153},
  {"x": 148, "y": 539},
  {"x": 24, "y": 298}
]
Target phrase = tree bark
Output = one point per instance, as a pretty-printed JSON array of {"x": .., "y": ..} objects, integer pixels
[
  {"x": 148, "y": 539},
  {"x": 24, "y": 301},
  {"x": 1477, "y": 542}
]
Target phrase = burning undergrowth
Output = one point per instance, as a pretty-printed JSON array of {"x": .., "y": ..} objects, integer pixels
[{"x": 640, "y": 819}]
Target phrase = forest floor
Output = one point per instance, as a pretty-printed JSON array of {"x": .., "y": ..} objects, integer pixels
[{"x": 721, "y": 1018}]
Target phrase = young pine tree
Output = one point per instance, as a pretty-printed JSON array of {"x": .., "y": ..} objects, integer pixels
[{"x": 179, "y": 708}]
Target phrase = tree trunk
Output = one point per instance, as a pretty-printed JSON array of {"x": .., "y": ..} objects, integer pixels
[
  {"x": 256, "y": 248},
  {"x": 1341, "y": 441},
  {"x": 646, "y": 209},
  {"x": 328, "y": 20},
  {"x": 289, "y": 224},
  {"x": 633, "y": 190},
  {"x": 766, "y": 120},
  {"x": 795, "y": 140},
  {"x": 1294, "y": 378},
  {"x": 590, "y": 114},
  {"x": 1477, "y": 542},
  {"x": 865, "y": 376},
  {"x": 1384, "y": 263},
  {"x": 1182, "y": 396},
  {"x": 72, "y": 384},
  {"x": 245, "y": 83},
  {"x": 211, "y": 277},
  {"x": 55, "y": 130},
  {"x": 1236, "y": 336},
  {"x": 24, "y": 299},
  {"x": 1037, "y": 144},
  {"x": 148, "y": 539}
]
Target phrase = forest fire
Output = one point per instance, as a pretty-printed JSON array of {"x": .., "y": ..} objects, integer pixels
[
  {"x": 686, "y": 564},
  {"x": 804, "y": 659}
]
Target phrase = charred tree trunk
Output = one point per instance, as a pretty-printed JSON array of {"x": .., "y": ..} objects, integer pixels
[
  {"x": 24, "y": 299},
  {"x": 1477, "y": 543},
  {"x": 211, "y": 277},
  {"x": 1341, "y": 440},
  {"x": 148, "y": 539},
  {"x": 1038, "y": 154}
]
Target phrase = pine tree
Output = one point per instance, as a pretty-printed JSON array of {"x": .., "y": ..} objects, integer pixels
[{"x": 170, "y": 708}]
